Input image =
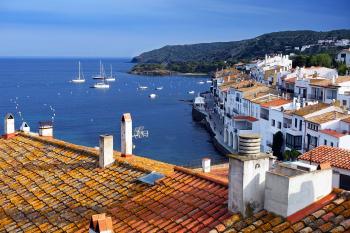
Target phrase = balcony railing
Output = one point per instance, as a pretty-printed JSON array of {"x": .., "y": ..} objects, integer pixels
[{"x": 315, "y": 97}]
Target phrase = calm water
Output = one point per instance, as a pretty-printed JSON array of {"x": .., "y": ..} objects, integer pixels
[{"x": 83, "y": 113}]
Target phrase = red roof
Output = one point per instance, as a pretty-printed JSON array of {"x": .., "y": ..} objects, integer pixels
[
  {"x": 336, "y": 156},
  {"x": 247, "y": 118},
  {"x": 332, "y": 133},
  {"x": 275, "y": 103}
]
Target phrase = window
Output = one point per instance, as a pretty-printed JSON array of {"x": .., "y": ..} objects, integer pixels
[
  {"x": 325, "y": 142},
  {"x": 300, "y": 125},
  {"x": 312, "y": 126},
  {"x": 332, "y": 144},
  {"x": 264, "y": 114},
  {"x": 293, "y": 142},
  {"x": 344, "y": 103},
  {"x": 295, "y": 123},
  {"x": 279, "y": 125},
  {"x": 273, "y": 122}
]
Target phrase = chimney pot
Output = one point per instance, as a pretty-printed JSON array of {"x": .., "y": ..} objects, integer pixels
[
  {"x": 206, "y": 165},
  {"x": 25, "y": 127},
  {"x": 126, "y": 135},
  {"x": 106, "y": 150},
  {"x": 46, "y": 129},
  {"x": 99, "y": 223},
  {"x": 9, "y": 126}
]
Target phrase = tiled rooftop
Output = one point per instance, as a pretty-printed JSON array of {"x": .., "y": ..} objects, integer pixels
[
  {"x": 332, "y": 214},
  {"x": 332, "y": 132},
  {"x": 327, "y": 117},
  {"x": 275, "y": 103},
  {"x": 52, "y": 186},
  {"x": 182, "y": 202},
  {"x": 336, "y": 156},
  {"x": 311, "y": 108},
  {"x": 248, "y": 118}
]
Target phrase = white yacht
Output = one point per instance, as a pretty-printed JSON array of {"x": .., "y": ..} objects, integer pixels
[
  {"x": 191, "y": 92},
  {"x": 110, "y": 78},
  {"x": 80, "y": 78},
  {"x": 159, "y": 88},
  {"x": 143, "y": 87},
  {"x": 200, "y": 82}
]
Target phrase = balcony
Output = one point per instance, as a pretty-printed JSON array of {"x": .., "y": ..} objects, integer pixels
[{"x": 315, "y": 97}]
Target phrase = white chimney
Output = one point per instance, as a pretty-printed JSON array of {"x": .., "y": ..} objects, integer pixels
[
  {"x": 9, "y": 126},
  {"x": 25, "y": 127},
  {"x": 333, "y": 79},
  {"x": 126, "y": 135},
  {"x": 106, "y": 150},
  {"x": 247, "y": 176},
  {"x": 292, "y": 187},
  {"x": 46, "y": 129},
  {"x": 206, "y": 164}
]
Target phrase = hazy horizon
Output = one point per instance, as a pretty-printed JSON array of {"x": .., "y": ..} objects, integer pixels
[{"x": 108, "y": 28}]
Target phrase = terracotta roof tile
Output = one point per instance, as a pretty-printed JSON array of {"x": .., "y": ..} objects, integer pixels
[
  {"x": 336, "y": 156},
  {"x": 248, "y": 118},
  {"x": 327, "y": 117},
  {"x": 311, "y": 108},
  {"x": 333, "y": 133}
]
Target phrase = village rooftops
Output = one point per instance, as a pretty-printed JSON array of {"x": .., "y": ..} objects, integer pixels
[
  {"x": 327, "y": 117},
  {"x": 311, "y": 108},
  {"x": 337, "y": 157}
]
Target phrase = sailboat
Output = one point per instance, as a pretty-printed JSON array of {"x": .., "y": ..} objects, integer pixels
[
  {"x": 80, "y": 78},
  {"x": 100, "y": 76},
  {"x": 103, "y": 84},
  {"x": 110, "y": 78}
]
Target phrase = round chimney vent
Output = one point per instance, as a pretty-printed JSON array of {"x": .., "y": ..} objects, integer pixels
[{"x": 249, "y": 144}]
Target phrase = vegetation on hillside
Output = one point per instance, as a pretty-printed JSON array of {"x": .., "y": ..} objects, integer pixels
[{"x": 207, "y": 57}]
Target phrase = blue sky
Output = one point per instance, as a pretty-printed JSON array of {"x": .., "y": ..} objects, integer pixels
[{"x": 124, "y": 28}]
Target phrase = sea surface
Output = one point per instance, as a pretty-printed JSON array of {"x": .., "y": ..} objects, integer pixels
[{"x": 40, "y": 90}]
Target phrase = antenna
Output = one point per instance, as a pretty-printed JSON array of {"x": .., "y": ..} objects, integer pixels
[{"x": 140, "y": 132}]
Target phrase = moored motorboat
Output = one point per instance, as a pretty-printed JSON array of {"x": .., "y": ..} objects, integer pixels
[
  {"x": 152, "y": 96},
  {"x": 191, "y": 92},
  {"x": 159, "y": 88}
]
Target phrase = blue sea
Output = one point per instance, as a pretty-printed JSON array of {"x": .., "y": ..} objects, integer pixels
[{"x": 40, "y": 89}]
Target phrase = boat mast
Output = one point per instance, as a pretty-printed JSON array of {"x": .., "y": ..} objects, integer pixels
[{"x": 79, "y": 71}]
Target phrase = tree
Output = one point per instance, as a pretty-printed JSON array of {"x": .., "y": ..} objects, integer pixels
[
  {"x": 322, "y": 59},
  {"x": 277, "y": 145},
  {"x": 341, "y": 68},
  {"x": 291, "y": 155}
]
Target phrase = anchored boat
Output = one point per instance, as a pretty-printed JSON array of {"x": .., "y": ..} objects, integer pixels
[{"x": 80, "y": 78}]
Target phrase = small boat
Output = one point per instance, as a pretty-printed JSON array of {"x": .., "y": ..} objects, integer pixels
[
  {"x": 200, "y": 82},
  {"x": 101, "y": 85},
  {"x": 159, "y": 88},
  {"x": 143, "y": 87},
  {"x": 191, "y": 92},
  {"x": 209, "y": 81},
  {"x": 80, "y": 78},
  {"x": 152, "y": 96},
  {"x": 110, "y": 78}
]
